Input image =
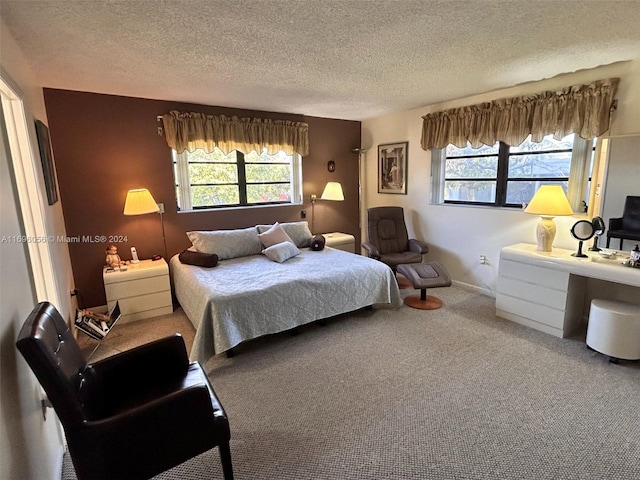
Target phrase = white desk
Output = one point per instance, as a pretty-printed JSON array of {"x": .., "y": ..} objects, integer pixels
[{"x": 545, "y": 290}]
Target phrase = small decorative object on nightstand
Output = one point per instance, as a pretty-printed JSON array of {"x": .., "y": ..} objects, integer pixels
[
  {"x": 340, "y": 241},
  {"x": 143, "y": 290}
]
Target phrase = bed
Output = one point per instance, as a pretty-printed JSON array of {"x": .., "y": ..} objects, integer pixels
[{"x": 250, "y": 296}]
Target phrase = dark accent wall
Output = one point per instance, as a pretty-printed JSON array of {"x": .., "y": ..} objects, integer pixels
[{"x": 105, "y": 145}]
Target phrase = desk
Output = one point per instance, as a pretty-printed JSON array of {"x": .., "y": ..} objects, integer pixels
[{"x": 545, "y": 290}]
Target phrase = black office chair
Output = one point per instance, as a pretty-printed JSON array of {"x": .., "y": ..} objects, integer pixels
[
  {"x": 388, "y": 240},
  {"x": 628, "y": 226},
  {"x": 132, "y": 415}
]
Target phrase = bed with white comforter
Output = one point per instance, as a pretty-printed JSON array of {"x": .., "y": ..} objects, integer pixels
[{"x": 250, "y": 296}]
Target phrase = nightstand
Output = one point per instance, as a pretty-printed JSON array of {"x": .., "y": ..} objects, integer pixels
[
  {"x": 340, "y": 241},
  {"x": 143, "y": 290}
]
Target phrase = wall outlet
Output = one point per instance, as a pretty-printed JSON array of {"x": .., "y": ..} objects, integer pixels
[{"x": 484, "y": 260}]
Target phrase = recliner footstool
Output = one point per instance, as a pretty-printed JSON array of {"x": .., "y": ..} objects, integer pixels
[{"x": 423, "y": 276}]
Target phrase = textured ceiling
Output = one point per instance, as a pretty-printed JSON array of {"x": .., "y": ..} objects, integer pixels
[{"x": 350, "y": 59}]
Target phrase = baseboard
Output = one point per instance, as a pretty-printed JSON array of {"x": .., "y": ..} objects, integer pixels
[
  {"x": 59, "y": 460},
  {"x": 474, "y": 288}
]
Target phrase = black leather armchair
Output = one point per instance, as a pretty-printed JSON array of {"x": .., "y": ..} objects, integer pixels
[
  {"x": 132, "y": 415},
  {"x": 628, "y": 226},
  {"x": 388, "y": 240}
]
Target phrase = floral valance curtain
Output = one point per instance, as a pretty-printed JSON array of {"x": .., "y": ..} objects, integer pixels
[
  {"x": 581, "y": 109},
  {"x": 191, "y": 131}
]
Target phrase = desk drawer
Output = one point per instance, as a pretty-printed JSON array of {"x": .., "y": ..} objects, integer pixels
[
  {"x": 533, "y": 311},
  {"x": 533, "y": 293},
  {"x": 536, "y": 275}
]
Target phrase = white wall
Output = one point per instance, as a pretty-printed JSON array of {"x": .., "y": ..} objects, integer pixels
[
  {"x": 30, "y": 448},
  {"x": 458, "y": 235}
]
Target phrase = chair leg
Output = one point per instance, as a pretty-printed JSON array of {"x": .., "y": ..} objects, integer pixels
[
  {"x": 225, "y": 459},
  {"x": 608, "y": 241},
  {"x": 621, "y": 240}
]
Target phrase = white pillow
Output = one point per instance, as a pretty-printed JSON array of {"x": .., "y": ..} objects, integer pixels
[
  {"x": 298, "y": 232},
  {"x": 281, "y": 252},
  {"x": 274, "y": 235},
  {"x": 227, "y": 243}
]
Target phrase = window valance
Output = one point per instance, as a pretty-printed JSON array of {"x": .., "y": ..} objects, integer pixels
[
  {"x": 191, "y": 131},
  {"x": 581, "y": 109}
]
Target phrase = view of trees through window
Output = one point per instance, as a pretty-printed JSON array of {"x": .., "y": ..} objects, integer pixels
[
  {"x": 206, "y": 180},
  {"x": 505, "y": 176}
]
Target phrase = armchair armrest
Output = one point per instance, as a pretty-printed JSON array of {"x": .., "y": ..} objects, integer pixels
[
  {"x": 418, "y": 246},
  {"x": 372, "y": 250},
  {"x": 157, "y": 362},
  {"x": 172, "y": 426},
  {"x": 615, "y": 223}
]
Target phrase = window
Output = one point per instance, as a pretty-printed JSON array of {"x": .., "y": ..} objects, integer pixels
[
  {"x": 504, "y": 176},
  {"x": 214, "y": 180}
]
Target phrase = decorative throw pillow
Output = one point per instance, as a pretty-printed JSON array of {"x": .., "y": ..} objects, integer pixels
[
  {"x": 274, "y": 235},
  {"x": 317, "y": 243},
  {"x": 227, "y": 244},
  {"x": 198, "y": 259},
  {"x": 281, "y": 251},
  {"x": 298, "y": 232}
]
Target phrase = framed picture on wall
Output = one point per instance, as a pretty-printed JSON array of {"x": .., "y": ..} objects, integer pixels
[
  {"x": 46, "y": 156},
  {"x": 392, "y": 168}
]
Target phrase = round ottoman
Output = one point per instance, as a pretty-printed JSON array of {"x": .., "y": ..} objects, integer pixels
[{"x": 614, "y": 329}]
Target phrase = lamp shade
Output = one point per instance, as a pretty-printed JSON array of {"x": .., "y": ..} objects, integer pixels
[
  {"x": 333, "y": 191},
  {"x": 549, "y": 201},
  {"x": 139, "y": 202}
]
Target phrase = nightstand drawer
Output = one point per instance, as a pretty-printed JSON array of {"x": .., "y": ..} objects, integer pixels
[
  {"x": 144, "y": 306},
  {"x": 135, "y": 288}
]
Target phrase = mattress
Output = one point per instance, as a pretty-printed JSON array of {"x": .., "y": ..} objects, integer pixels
[{"x": 244, "y": 298}]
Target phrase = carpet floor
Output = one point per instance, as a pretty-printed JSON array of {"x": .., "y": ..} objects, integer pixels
[{"x": 454, "y": 393}]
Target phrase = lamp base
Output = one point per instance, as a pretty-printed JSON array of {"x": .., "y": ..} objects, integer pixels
[{"x": 545, "y": 233}]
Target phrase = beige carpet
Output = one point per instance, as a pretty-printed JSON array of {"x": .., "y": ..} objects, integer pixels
[{"x": 454, "y": 393}]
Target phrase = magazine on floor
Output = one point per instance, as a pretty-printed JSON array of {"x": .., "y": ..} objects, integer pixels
[{"x": 96, "y": 325}]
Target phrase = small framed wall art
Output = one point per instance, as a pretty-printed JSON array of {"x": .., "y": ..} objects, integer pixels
[
  {"x": 392, "y": 168},
  {"x": 46, "y": 156}
]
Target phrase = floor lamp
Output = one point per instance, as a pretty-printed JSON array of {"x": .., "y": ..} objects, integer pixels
[
  {"x": 140, "y": 202},
  {"x": 360, "y": 152}
]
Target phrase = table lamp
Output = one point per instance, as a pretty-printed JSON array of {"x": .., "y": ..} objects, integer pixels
[
  {"x": 548, "y": 202},
  {"x": 140, "y": 202},
  {"x": 332, "y": 191}
]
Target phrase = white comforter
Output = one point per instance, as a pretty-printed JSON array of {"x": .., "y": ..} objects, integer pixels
[{"x": 248, "y": 297}]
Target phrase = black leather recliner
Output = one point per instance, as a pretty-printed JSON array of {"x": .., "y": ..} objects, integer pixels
[
  {"x": 129, "y": 416},
  {"x": 388, "y": 240},
  {"x": 628, "y": 226}
]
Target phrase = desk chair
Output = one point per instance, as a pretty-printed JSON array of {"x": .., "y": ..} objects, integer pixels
[{"x": 628, "y": 226}]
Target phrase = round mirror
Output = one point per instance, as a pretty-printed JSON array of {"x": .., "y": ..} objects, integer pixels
[
  {"x": 582, "y": 230},
  {"x": 598, "y": 225}
]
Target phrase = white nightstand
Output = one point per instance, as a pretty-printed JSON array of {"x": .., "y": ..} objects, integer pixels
[
  {"x": 340, "y": 241},
  {"x": 143, "y": 290}
]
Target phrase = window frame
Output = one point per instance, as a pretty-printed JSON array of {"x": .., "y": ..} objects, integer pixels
[
  {"x": 577, "y": 182},
  {"x": 183, "y": 195}
]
